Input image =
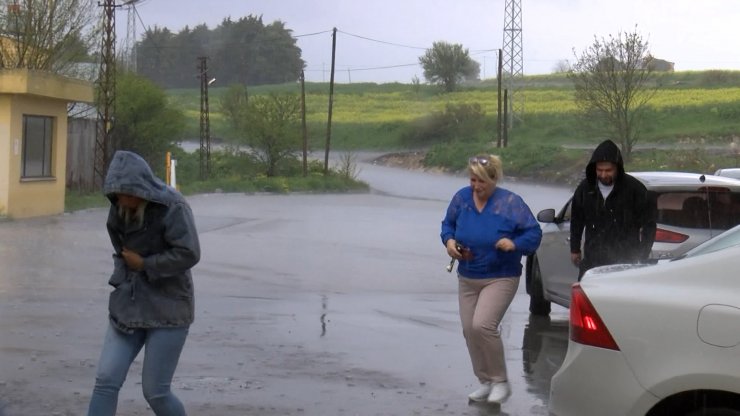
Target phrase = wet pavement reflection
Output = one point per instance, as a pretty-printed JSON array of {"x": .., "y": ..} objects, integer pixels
[{"x": 305, "y": 305}]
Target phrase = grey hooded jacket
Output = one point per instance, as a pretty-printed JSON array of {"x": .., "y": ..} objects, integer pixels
[{"x": 160, "y": 295}]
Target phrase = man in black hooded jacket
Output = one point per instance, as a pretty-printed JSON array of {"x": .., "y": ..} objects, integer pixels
[{"x": 615, "y": 210}]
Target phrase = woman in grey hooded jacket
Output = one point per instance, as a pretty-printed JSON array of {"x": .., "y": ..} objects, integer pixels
[{"x": 155, "y": 245}]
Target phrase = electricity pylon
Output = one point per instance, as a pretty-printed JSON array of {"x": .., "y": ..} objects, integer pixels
[
  {"x": 513, "y": 57},
  {"x": 106, "y": 89},
  {"x": 128, "y": 54}
]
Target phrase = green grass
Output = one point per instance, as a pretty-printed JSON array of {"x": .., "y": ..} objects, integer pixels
[
  {"x": 75, "y": 201},
  {"x": 372, "y": 115},
  {"x": 313, "y": 183}
]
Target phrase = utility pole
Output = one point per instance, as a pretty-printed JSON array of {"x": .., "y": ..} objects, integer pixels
[
  {"x": 304, "y": 131},
  {"x": 106, "y": 89},
  {"x": 331, "y": 101},
  {"x": 499, "y": 116},
  {"x": 205, "y": 124}
]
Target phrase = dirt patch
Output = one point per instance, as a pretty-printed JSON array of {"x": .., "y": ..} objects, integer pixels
[
  {"x": 406, "y": 160},
  {"x": 414, "y": 160}
]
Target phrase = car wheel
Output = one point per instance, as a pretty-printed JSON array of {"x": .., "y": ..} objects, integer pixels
[{"x": 538, "y": 305}]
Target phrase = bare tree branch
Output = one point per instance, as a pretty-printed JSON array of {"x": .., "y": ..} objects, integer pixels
[
  {"x": 613, "y": 81},
  {"x": 49, "y": 35}
]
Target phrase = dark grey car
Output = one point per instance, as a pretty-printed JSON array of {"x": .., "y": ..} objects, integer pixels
[{"x": 691, "y": 209}]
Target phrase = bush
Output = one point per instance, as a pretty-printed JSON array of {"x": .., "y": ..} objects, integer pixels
[
  {"x": 714, "y": 78},
  {"x": 456, "y": 122}
]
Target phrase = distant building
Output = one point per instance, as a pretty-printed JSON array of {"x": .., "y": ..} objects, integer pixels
[{"x": 660, "y": 65}]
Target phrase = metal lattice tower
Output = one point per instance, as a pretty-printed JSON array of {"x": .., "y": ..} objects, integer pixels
[
  {"x": 513, "y": 56},
  {"x": 106, "y": 89},
  {"x": 128, "y": 54},
  {"x": 205, "y": 129}
]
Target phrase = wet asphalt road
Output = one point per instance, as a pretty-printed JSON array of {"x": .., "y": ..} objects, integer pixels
[{"x": 305, "y": 305}]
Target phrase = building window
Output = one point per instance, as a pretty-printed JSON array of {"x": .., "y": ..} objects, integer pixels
[{"x": 37, "y": 146}]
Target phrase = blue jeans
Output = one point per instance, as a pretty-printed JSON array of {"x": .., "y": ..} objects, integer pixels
[{"x": 163, "y": 347}]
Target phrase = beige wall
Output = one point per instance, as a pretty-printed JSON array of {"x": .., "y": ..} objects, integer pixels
[
  {"x": 5, "y": 151},
  {"x": 30, "y": 93},
  {"x": 34, "y": 197}
]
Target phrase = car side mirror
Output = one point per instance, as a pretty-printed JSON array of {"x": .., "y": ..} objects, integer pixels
[{"x": 546, "y": 215}]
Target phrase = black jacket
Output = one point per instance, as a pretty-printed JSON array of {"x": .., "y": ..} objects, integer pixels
[{"x": 620, "y": 229}]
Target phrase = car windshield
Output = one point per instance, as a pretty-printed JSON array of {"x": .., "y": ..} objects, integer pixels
[{"x": 728, "y": 238}]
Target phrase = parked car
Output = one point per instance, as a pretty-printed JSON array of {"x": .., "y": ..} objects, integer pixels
[
  {"x": 691, "y": 208},
  {"x": 655, "y": 340},
  {"x": 728, "y": 173}
]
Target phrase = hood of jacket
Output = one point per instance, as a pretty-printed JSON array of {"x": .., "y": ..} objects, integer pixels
[
  {"x": 606, "y": 151},
  {"x": 128, "y": 173}
]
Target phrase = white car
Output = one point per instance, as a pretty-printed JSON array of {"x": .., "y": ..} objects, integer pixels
[
  {"x": 655, "y": 340},
  {"x": 728, "y": 173},
  {"x": 691, "y": 209}
]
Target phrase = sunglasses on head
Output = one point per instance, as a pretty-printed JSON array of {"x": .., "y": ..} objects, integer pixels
[{"x": 480, "y": 160}]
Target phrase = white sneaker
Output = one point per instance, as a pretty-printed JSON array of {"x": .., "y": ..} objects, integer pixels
[
  {"x": 499, "y": 392},
  {"x": 481, "y": 394}
]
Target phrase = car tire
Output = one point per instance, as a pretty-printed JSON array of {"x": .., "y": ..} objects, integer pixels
[{"x": 538, "y": 305}]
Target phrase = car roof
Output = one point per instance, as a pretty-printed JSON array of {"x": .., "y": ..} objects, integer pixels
[{"x": 684, "y": 181}]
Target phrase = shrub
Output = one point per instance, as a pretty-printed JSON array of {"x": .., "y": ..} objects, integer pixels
[{"x": 456, "y": 122}]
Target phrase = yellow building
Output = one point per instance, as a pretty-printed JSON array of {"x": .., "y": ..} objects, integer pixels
[{"x": 33, "y": 140}]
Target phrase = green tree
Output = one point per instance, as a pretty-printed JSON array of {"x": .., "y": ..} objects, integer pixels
[
  {"x": 187, "y": 46},
  {"x": 156, "y": 57},
  {"x": 613, "y": 81},
  {"x": 233, "y": 105},
  {"x": 47, "y": 35},
  {"x": 145, "y": 121},
  {"x": 272, "y": 127},
  {"x": 242, "y": 51},
  {"x": 249, "y": 52},
  {"x": 448, "y": 65}
]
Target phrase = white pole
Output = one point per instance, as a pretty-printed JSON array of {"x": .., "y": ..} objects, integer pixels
[{"x": 173, "y": 173}]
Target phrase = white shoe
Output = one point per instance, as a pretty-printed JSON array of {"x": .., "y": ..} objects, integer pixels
[
  {"x": 499, "y": 392},
  {"x": 481, "y": 394}
]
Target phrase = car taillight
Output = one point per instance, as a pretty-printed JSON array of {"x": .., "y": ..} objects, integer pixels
[
  {"x": 665, "y": 236},
  {"x": 586, "y": 327}
]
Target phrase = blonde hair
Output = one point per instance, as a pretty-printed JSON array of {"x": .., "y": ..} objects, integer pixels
[
  {"x": 491, "y": 172},
  {"x": 133, "y": 215}
]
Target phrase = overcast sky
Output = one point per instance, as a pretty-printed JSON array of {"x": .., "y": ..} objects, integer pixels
[{"x": 381, "y": 40}]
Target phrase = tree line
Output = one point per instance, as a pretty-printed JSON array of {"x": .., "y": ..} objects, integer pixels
[{"x": 244, "y": 51}]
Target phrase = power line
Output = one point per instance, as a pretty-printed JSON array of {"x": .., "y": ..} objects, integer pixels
[
  {"x": 382, "y": 41},
  {"x": 348, "y": 67},
  {"x": 312, "y": 34}
]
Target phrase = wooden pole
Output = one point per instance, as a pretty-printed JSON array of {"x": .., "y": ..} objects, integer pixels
[
  {"x": 331, "y": 100},
  {"x": 506, "y": 117},
  {"x": 499, "y": 115},
  {"x": 303, "y": 124}
]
